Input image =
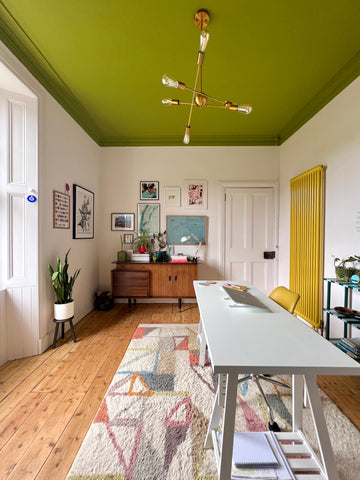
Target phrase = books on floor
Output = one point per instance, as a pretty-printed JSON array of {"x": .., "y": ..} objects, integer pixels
[
  {"x": 258, "y": 455},
  {"x": 351, "y": 346}
]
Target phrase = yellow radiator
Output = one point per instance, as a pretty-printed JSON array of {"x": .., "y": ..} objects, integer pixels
[{"x": 306, "y": 243}]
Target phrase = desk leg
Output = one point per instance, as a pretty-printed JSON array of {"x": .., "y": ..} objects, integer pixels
[
  {"x": 297, "y": 402},
  {"x": 228, "y": 427},
  {"x": 322, "y": 434}
]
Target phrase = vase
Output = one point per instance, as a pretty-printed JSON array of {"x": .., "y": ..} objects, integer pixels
[{"x": 62, "y": 311}]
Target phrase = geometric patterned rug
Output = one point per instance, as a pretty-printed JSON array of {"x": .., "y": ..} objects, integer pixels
[{"x": 153, "y": 420}]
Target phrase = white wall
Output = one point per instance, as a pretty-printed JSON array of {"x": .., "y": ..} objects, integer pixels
[
  {"x": 66, "y": 155},
  {"x": 330, "y": 138},
  {"x": 124, "y": 168}
]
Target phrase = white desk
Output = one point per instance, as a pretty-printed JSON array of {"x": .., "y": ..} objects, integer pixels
[{"x": 277, "y": 343}]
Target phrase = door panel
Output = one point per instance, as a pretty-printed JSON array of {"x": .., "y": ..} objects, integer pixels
[{"x": 250, "y": 219}]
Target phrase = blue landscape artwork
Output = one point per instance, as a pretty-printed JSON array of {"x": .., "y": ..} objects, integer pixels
[{"x": 179, "y": 226}]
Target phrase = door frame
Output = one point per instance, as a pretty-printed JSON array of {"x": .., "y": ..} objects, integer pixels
[{"x": 222, "y": 216}]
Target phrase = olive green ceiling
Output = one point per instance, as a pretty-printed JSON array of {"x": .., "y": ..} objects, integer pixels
[{"x": 103, "y": 61}]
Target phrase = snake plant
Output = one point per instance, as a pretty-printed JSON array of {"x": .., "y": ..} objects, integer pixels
[{"x": 61, "y": 282}]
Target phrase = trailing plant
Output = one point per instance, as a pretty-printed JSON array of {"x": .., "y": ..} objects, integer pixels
[
  {"x": 61, "y": 282},
  {"x": 345, "y": 267},
  {"x": 161, "y": 239}
]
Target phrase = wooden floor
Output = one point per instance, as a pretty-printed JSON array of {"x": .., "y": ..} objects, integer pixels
[{"x": 48, "y": 402}]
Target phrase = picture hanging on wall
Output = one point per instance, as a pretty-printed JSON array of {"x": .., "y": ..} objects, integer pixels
[
  {"x": 148, "y": 217},
  {"x": 61, "y": 210},
  {"x": 149, "y": 190},
  {"x": 185, "y": 229},
  {"x": 195, "y": 194},
  {"x": 122, "y": 221},
  {"x": 172, "y": 196},
  {"x": 83, "y": 213},
  {"x": 128, "y": 238}
]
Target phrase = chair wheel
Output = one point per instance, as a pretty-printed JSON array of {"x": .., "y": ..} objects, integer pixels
[{"x": 274, "y": 427}]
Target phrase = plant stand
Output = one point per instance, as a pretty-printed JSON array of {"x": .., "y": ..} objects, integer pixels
[{"x": 57, "y": 322}]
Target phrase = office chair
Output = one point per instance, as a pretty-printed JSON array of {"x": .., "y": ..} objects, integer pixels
[{"x": 288, "y": 300}]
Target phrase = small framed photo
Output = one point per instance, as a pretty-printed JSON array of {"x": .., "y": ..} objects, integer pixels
[
  {"x": 61, "y": 210},
  {"x": 128, "y": 238},
  {"x": 83, "y": 215},
  {"x": 172, "y": 196},
  {"x": 195, "y": 194},
  {"x": 149, "y": 190},
  {"x": 122, "y": 221}
]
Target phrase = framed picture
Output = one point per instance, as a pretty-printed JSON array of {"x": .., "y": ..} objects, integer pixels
[
  {"x": 195, "y": 194},
  {"x": 122, "y": 221},
  {"x": 83, "y": 213},
  {"x": 185, "y": 229},
  {"x": 61, "y": 210},
  {"x": 148, "y": 217},
  {"x": 172, "y": 196},
  {"x": 149, "y": 190},
  {"x": 128, "y": 238}
]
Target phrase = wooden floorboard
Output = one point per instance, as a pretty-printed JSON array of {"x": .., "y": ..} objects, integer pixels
[{"x": 47, "y": 402}]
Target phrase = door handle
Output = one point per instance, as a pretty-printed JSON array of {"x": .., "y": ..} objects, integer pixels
[{"x": 269, "y": 255}]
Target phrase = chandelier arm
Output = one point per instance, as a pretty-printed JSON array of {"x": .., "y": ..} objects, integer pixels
[{"x": 194, "y": 93}]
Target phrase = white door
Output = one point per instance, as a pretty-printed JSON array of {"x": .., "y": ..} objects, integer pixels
[
  {"x": 19, "y": 220},
  {"x": 251, "y": 236}
]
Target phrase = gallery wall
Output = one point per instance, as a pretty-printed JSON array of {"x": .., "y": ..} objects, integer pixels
[
  {"x": 122, "y": 169},
  {"x": 331, "y": 138}
]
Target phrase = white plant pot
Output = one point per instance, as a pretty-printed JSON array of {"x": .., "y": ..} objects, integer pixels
[{"x": 62, "y": 311}]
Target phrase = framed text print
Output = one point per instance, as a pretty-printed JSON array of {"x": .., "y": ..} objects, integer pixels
[
  {"x": 83, "y": 213},
  {"x": 195, "y": 194},
  {"x": 61, "y": 210}
]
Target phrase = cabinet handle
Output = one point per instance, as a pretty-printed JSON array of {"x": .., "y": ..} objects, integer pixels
[
  {"x": 169, "y": 278},
  {"x": 175, "y": 278}
]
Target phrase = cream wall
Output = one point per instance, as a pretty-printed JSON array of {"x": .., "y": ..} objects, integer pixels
[
  {"x": 122, "y": 169},
  {"x": 330, "y": 138}
]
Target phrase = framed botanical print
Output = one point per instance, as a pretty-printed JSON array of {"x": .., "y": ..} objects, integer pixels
[
  {"x": 83, "y": 213},
  {"x": 122, "y": 221},
  {"x": 61, "y": 210},
  {"x": 149, "y": 190},
  {"x": 195, "y": 194}
]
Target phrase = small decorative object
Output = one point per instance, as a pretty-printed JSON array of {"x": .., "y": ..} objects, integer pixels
[
  {"x": 179, "y": 226},
  {"x": 63, "y": 285},
  {"x": 160, "y": 254},
  {"x": 195, "y": 194},
  {"x": 148, "y": 217},
  {"x": 172, "y": 196},
  {"x": 128, "y": 238},
  {"x": 149, "y": 190},
  {"x": 61, "y": 210},
  {"x": 104, "y": 301},
  {"x": 345, "y": 268},
  {"x": 121, "y": 255},
  {"x": 122, "y": 221},
  {"x": 355, "y": 279},
  {"x": 83, "y": 215}
]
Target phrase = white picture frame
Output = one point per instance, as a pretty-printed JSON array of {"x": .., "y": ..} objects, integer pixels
[
  {"x": 195, "y": 194},
  {"x": 172, "y": 196}
]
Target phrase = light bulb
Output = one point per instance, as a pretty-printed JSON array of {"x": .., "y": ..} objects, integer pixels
[
  {"x": 244, "y": 109},
  {"x": 204, "y": 38},
  {"x": 187, "y": 135},
  {"x": 169, "y": 101},
  {"x": 169, "y": 82}
]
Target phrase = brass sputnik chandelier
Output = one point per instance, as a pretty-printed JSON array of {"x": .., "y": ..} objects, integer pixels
[{"x": 199, "y": 98}]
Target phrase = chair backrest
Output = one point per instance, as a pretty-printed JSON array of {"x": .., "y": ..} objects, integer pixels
[{"x": 285, "y": 298}]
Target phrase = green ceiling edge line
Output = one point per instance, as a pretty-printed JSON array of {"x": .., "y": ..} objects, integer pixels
[
  {"x": 210, "y": 141},
  {"x": 337, "y": 84},
  {"x": 40, "y": 70}
]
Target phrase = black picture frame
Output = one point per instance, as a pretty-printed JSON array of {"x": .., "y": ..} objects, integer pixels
[
  {"x": 149, "y": 190},
  {"x": 83, "y": 213}
]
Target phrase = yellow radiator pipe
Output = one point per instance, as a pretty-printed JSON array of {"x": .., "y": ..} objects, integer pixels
[{"x": 306, "y": 237}]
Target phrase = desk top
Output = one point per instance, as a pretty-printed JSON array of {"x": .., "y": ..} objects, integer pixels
[{"x": 267, "y": 339}]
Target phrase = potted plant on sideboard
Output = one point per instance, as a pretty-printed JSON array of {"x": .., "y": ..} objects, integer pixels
[
  {"x": 63, "y": 285},
  {"x": 346, "y": 267}
]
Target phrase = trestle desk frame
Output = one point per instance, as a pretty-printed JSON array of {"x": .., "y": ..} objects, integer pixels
[{"x": 245, "y": 339}]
